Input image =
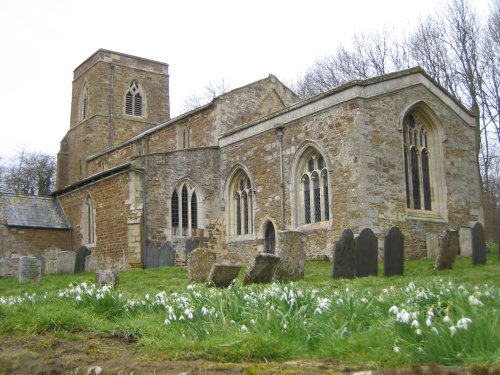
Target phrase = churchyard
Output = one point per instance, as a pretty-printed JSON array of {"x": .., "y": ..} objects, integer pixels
[{"x": 446, "y": 317}]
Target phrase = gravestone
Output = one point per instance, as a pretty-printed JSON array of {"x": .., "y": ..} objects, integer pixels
[
  {"x": 448, "y": 249},
  {"x": 222, "y": 275},
  {"x": 261, "y": 269},
  {"x": 191, "y": 245},
  {"x": 50, "y": 256},
  {"x": 107, "y": 277},
  {"x": 292, "y": 252},
  {"x": 81, "y": 254},
  {"x": 344, "y": 255},
  {"x": 166, "y": 255},
  {"x": 478, "y": 244},
  {"x": 30, "y": 269},
  {"x": 151, "y": 258},
  {"x": 9, "y": 266},
  {"x": 66, "y": 262},
  {"x": 498, "y": 245},
  {"x": 366, "y": 254},
  {"x": 199, "y": 264},
  {"x": 431, "y": 245},
  {"x": 394, "y": 252},
  {"x": 91, "y": 263},
  {"x": 42, "y": 262},
  {"x": 465, "y": 241}
]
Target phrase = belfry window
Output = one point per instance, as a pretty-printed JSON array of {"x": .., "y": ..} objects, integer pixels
[
  {"x": 241, "y": 205},
  {"x": 313, "y": 204},
  {"x": 134, "y": 100},
  {"x": 185, "y": 212},
  {"x": 417, "y": 164}
]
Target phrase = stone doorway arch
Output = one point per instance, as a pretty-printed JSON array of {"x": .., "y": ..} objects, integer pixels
[{"x": 270, "y": 239}]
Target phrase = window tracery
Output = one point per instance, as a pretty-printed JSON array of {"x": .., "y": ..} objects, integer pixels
[
  {"x": 134, "y": 100},
  {"x": 185, "y": 212}
]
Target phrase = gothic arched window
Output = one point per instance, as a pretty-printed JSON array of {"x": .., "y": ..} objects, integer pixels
[
  {"x": 241, "y": 205},
  {"x": 185, "y": 213},
  {"x": 134, "y": 98},
  {"x": 88, "y": 222}
]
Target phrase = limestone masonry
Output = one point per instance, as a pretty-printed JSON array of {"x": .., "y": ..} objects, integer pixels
[{"x": 229, "y": 176}]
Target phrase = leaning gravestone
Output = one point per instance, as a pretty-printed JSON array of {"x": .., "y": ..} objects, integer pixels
[
  {"x": 432, "y": 245},
  {"x": 81, "y": 254},
  {"x": 478, "y": 244},
  {"x": 66, "y": 262},
  {"x": 292, "y": 252},
  {"x": 344, "y": 255},
  {"x": 448, "y": 250},
  {"x": 261, "y": 269},
  {"x": 394, "y": 250},
  {"x": 199, "y": 264},
  {"x": 107, "y": 277},
  {"x": 222, "y": 275},
  {"x": 91, "y": 263},
  {"x": 465, "y": 239},
  {"x": 30, "y": 269},
  {"x": 366, "y": 254}
]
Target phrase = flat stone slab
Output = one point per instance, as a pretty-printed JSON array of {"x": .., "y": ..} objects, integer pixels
[
  {"x": 478, "y": 244},
  {"x": 91, "y": 263},
  {"x": 107, "y": 277},
  {"x": 222, "y": 275},
  {"x": 29, "y": 270},
  {"x": 199, "y": 264},
  {"x": 465, "y": 238},
  {"x": 261, "y": 269}
]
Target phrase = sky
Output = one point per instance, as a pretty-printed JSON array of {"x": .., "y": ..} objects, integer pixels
[{"x": 42, "y": 42}]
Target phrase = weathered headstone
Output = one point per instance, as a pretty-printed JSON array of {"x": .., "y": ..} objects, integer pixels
[
  {"x": 366, "y": 254},
  {"x": 30, "y": 269},
  {"x": 261, "y": 269},
  {"x": 107, "y": 277},
  {"x": 292, "y": 252},
  {"x": 465, "y": 239},
  {"x": 81, "y": 254},
  {"x": 191, "y": 245},
  {"x": 151, "y": 258},
  {"x": 199, "y": 264},
  {"x": 222, "y": 275},
  {"x": 448, "y": 249},
  {"x": 394, "y": 252},
  {"x": 344, "y": 255},
  {"x": 9, "y": 266},
  {"x": 50, "y": 256},
  {"x": 66, "y": 262},
  {"x": 91, "y": 263},
  {"x": 432, "y": 245},
  {"x": 42, "y": 262},
  {"x": 478, "y": 244},
  {"x": 166, "y": 255}
]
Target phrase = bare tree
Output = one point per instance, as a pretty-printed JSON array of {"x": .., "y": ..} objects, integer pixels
[
  {"x": 29, "y": 173},
  {"x": 211, "y": 91}
]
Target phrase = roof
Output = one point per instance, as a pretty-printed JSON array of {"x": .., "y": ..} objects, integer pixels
[{"x": 32, "y": 211}]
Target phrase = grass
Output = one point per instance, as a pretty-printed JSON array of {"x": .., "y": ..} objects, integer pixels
[{"x": 426, "y": 316}]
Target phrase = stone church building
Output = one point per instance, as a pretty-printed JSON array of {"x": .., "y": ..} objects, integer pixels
[{"x": 396, "y": 150}]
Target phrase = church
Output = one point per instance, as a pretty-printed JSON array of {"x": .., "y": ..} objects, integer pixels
[{"x": 395, "y": 150}]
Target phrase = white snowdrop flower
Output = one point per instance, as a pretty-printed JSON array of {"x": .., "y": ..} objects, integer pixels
[
  {"x": 146, "y": 297},
  {"x": 393, "y": 310},
  {"x": 364, "y": 300},
  {"x": 420, "y": 350},
  {"x": 204, "y": 311},
  {"x": 190, "y": 316},
  {"x": 453, "y": 330},
  {"x": 428, "y": 322},
  {"x": 446, "y": 319},
  {"x": 418, "y": 332},
  {"x": 181, "y": 317},
  {"x": 464, "y": 323},
  {"x": 317, "y": 311},
  {"x": 166, "y": 322},
  {"x": 244, "y": 329},
  {"x": 233, "y": 322},
  {"x": 434, "y": 329},
  {"x": 187, "y": 311},
  {"x": 396, "y": 349},
  {"x": 430, "y": 313},
  {"x": 285, "y": 327},
  {"x": 252, "y": 321},
  {"x": 190, "y": 287},
  {"x": 474, "y": 301},
  {"x": 403, "y": 316},
  {"x": 414, "y": 315},
  {"x": 78, "y": 298},
  {"x": 414, "y": 324}
]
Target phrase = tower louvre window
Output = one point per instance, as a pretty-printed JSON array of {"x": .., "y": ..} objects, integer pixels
[{"x": 134, "y": 102}]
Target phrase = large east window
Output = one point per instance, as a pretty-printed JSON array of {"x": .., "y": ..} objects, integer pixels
[{"x": 185, "y": 209}]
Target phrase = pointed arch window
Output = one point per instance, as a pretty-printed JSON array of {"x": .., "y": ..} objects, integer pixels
[
  {"x": 312, "y": 189},
  {"x": 241, "y": 205},
  {"x": 185, "y": 212},
  {"x": 88, "y": 225},
  {"x": 417, "y": 164},
  {"x": 134, "y": 100}
]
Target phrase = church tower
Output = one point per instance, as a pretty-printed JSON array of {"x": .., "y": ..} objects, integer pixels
[{"x": 115, "y": 97}]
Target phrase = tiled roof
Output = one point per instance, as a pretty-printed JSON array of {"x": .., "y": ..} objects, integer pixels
[{"x": 31, "y": 211}]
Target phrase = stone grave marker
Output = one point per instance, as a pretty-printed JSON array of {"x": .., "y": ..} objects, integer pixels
[
  {"x": 81, "y": 254},
  {"x": 366, "y": 254},
  {"x": 478, "y": 244},
  {"x": 344, "y": 256},
  {"x": 465, "y": 239},
  {"x": 42, "y": 262},
  {"x": 91, "y": 263},
  {"x": 199, "y": 264},
  {"x": 107, "y": 277},
  {"x": 30, "y": 269},
  {"x": 394, "y": 250},
  {"x": 151, "y": 257},
  {"x": 9, "y": 266},
  {"x": 222, "y": 275},
  {"x": 432, "y": 245},
  {"x": 191, "y": 245},
  {"x": 292, "y": 252},
  {"x": 66, "y": 262},
  {"x": 166, "y": 255},
  {"x": 448, "y": 250},
  {"x": 261, "y": 269},
  {"x": 50, "y": 256}
]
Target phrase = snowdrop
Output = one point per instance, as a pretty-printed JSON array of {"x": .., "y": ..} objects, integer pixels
[
  {"x": 393, "y": 310},
  {"x": 464, "y": 323},
  {"x": 396, "y": 349}
]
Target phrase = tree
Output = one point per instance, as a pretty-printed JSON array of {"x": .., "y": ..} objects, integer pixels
[
  {"x": 211, "y": 91},
  {"x": 28, "y": 173}
]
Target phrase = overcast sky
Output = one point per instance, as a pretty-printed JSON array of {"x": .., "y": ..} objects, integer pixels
[{"x": 43, "y": 41}]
